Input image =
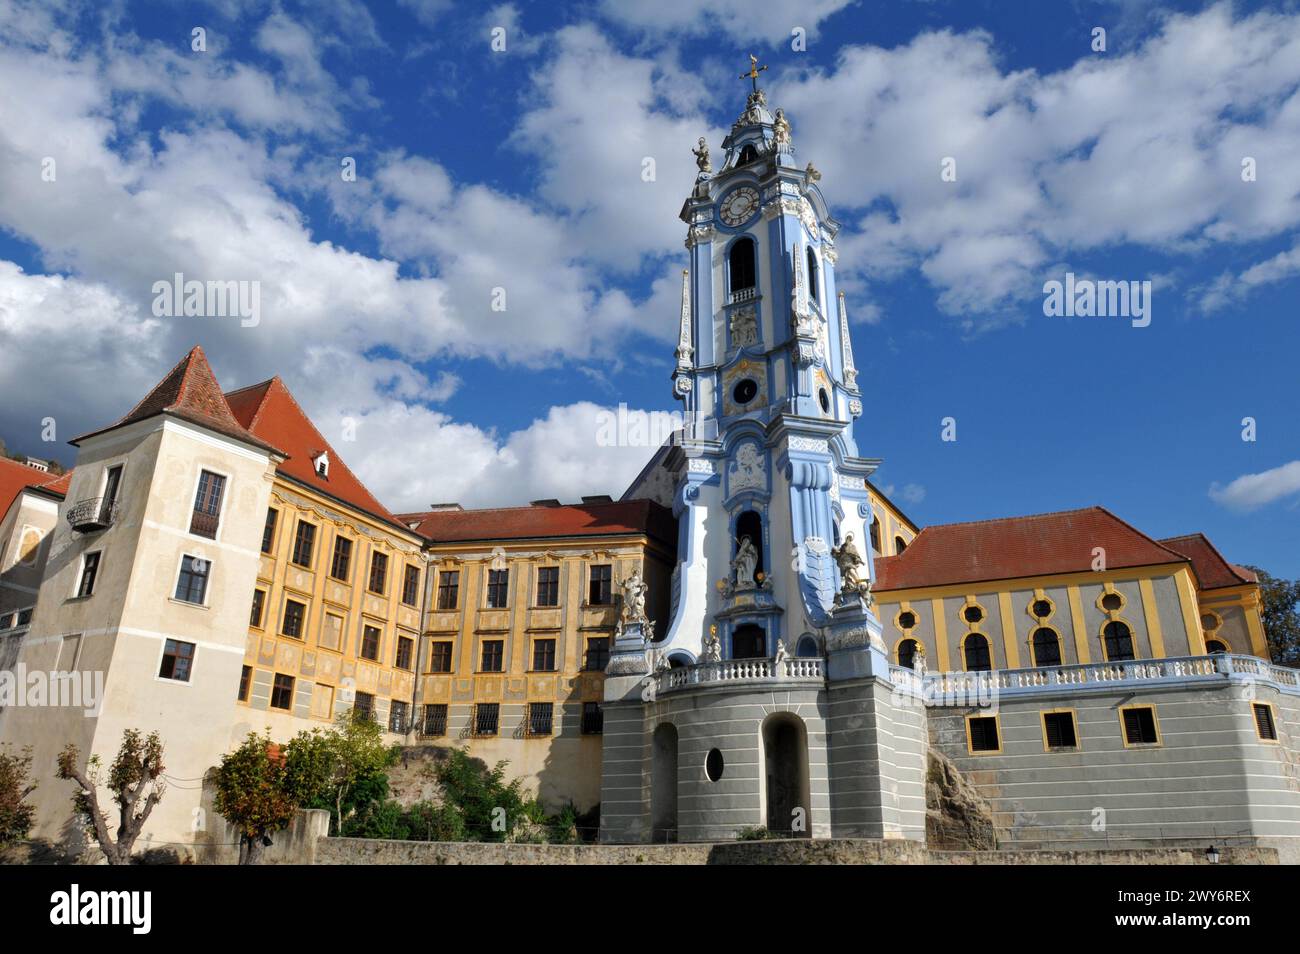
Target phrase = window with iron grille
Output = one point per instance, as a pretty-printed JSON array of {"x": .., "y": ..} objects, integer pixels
[
  {"x": 448, "y": 589},
  {"x": 304, "y": 543},
  {"x": 207, "y": 505},
  {"x": 977, "y": 654},
  {"x": 341, "y": 564},
  {"x": 282, "y": 692},
  {"x": 498, "y": 588},
  {"x": 1119, "y": 642},
  {"x": 411, "y": 585},
  {"x": 548, "y": 586},
  {"x": 259, "y": 607},
  {"x": 192, "y": 585},
  {"x": 178, "y": 658},
  {"x": 1264, "y": 725},
  {"x": 370, "y": 642},
  {"x": 1060, "y": 730},
  {"x": 486, "y": 717},
  {"x": 89, "y": 570},
  {"x": 593, "y": 719},
  {"x": 435, "y": 720},
  {"x": 440, "y": 656},
  {"x": 405, "y": 646},
  {"x": 597, "y": 655},
  {"x": 268, "y": 531},
  {"x": 600, "y": 592},
  {"x": 984, "y": 734},
  {"x": 363, "y": 706},
  {"x": 1140, "y": 726},
  {"x": 1047, "y": 647},
  {"x": 543, "y": 655},
  {"x": 540, "y": 716},
  {"x": 245, "y": 678},
  {"x": 295, "y": 615},
  {"x": 493, "y": 655},
  {"x": 397, "y": 716},
  {"x": 378, "y": 572}
]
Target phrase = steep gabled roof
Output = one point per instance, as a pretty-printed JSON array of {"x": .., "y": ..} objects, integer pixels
[
  {"x": 270, "y": 412},
  {"x": 540, "y": 521},
  {"x": 16, "y": 477},
  {"x": 189, "y": 392},
  {"x": 1013, "y": 547},
  {"x": 1212, "y": 570}
]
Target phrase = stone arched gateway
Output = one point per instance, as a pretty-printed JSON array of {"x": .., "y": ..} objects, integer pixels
[
  {"x": 787, "y": 791},
  {"x": 663, "y": 784}
]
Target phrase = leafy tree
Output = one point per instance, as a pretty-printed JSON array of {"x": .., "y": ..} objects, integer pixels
[
  {"x": 1281, "y": 613},
  {"x": 15, "y": 786},
  {"x": 136, "y": 772},
  {"x": 426, "y": 821},
  {"x": 350, "y": 761},
  {"x": 491, "y": 809},
  {"x": 256, "y": 793}
]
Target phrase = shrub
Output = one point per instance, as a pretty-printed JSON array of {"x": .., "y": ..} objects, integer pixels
[{"x": 15, "y": 785}]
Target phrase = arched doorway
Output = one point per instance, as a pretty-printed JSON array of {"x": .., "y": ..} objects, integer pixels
[
  {"x": 785, "y": 763},
  {"x": 748, "y": 642},
  {"x": 663, "y": 785}
]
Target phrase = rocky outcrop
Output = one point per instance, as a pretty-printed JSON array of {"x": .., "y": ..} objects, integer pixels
[{"x": 957, "y": 816}]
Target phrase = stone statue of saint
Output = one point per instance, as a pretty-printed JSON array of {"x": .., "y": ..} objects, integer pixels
[
  {"x": 701, "y": 154},
  {"x": 781, "y": 128},
  {"x": 812, "y": 173},
  {"x": 745, "y": 563},
  {"x": 634, "y": 592},
  {"x": 853, "y": 575},
  {"x": 712, "y": 648},
  {"x": 779, "y": 659}
]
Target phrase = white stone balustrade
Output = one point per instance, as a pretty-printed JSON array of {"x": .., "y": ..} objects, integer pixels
[{"x": 792, "y": 669}]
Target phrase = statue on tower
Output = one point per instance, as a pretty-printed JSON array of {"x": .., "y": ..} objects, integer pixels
[
  {"x": 632, "y": 614},
  {"x": 854, "y": 581},
  {"x": 745, "y": 563},
  {"x": 781, "y": 129},
  {"x": 701, "y": 153}
]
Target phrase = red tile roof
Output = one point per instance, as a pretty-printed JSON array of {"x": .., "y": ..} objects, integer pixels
[
  {"x": 541, "y": 521},
  {"x": 16, "y": 477},
  {"x": 1014, "y": 547},
  {"x": 1212, "y": 570},
  {"x": 190, "y": 392},
  {"x": 270, "y": 412}
]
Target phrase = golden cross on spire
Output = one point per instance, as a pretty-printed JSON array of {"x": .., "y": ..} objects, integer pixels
[{"x": 754, "y": 70}]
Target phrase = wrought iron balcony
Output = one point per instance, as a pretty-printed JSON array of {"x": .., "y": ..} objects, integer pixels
[
  {"x": 204, "y": 524},
  {"x": 92, "y": 515}
]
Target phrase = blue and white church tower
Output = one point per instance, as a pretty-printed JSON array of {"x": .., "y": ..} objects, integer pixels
[{"x": 771, "y": 607}]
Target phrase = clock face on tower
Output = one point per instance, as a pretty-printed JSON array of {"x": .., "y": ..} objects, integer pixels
[{"x": 739, "y": 206}]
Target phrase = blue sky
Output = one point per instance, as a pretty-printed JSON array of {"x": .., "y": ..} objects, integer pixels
[{"x": 521, "y": 169}]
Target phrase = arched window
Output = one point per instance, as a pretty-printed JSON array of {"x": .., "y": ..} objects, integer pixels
[
  {"x": 875, "y": 534},
  {"x": 1047, "y": 647},
  {"x": 807, "y": 648},
  {"x": 1215, "y": 646},
  {"x": 907, "y": 653},
  {"x": 813, "y": 283},
  {"x": 740, "y": 261},
  {"x": 977, "y": 653},
  {"x": 747, "y": 154},
  {"x": 899, "y": 545},
  {"x": 750, "y": 524},
  {"x": 1118, "y": 639}
]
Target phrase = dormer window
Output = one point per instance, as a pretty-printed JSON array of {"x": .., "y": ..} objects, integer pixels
[{"x": 321, "y": 464}]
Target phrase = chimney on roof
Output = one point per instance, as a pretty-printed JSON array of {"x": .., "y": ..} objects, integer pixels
[
  {"x": 439, "y": 507},
  {"x": 598, "y": 499},
  {"x": 548, "y": 502}
]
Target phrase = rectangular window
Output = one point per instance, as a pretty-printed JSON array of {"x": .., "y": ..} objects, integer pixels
[
  {"x": 448, "y": 589},
  {"x": 245, "y": 680},
  {"x": 207, "y": 505},
  {"x": 593, "y": 719},
  {"x": 331, "y": 631},
  {"x": 268, "y": 531},
  {"x": 486, "y": 717},
  {"x": 69, "y": 649},
  {"x": 1140, "y": 726},
  {"x": 1265, "y": 727},
  {"x": 983, "y": 733},
  {"x": 259, "y": 607},
  {"x": 363, "y": 706},
  {"x": 548, "y": 586},
  {"x": 597, "y": 655},
  {"x": 411, "y": 585},
  {"x": 378, "y": 572},
  {"x": 304, "y": 543},
  {"x": 295, "y": 617},
  {"x": 493, "y": 654},
  {"x": 540, "y": 716},
  {"x": 404, "y": 649},
  {"x": 397, "y": 717},
  {"x": 89, "y": 570},
  {"x": 440, "y": 656},
  {"x": 543, "y": 655},
  {"x": 370, "y": 642},
  {"x": 498, "y": 588},
  {"x": 177, "y": 659},
  {"x": 600, "y": 592},
  {"x": 192, "y": 586},
  {"x": 112, "y": 484},
  {"x": 341, "y": 563},
  {"x": 1059, "y": 731},
  {"x": 282, "y": 692},
  {"x": 435, "y": 720}
]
